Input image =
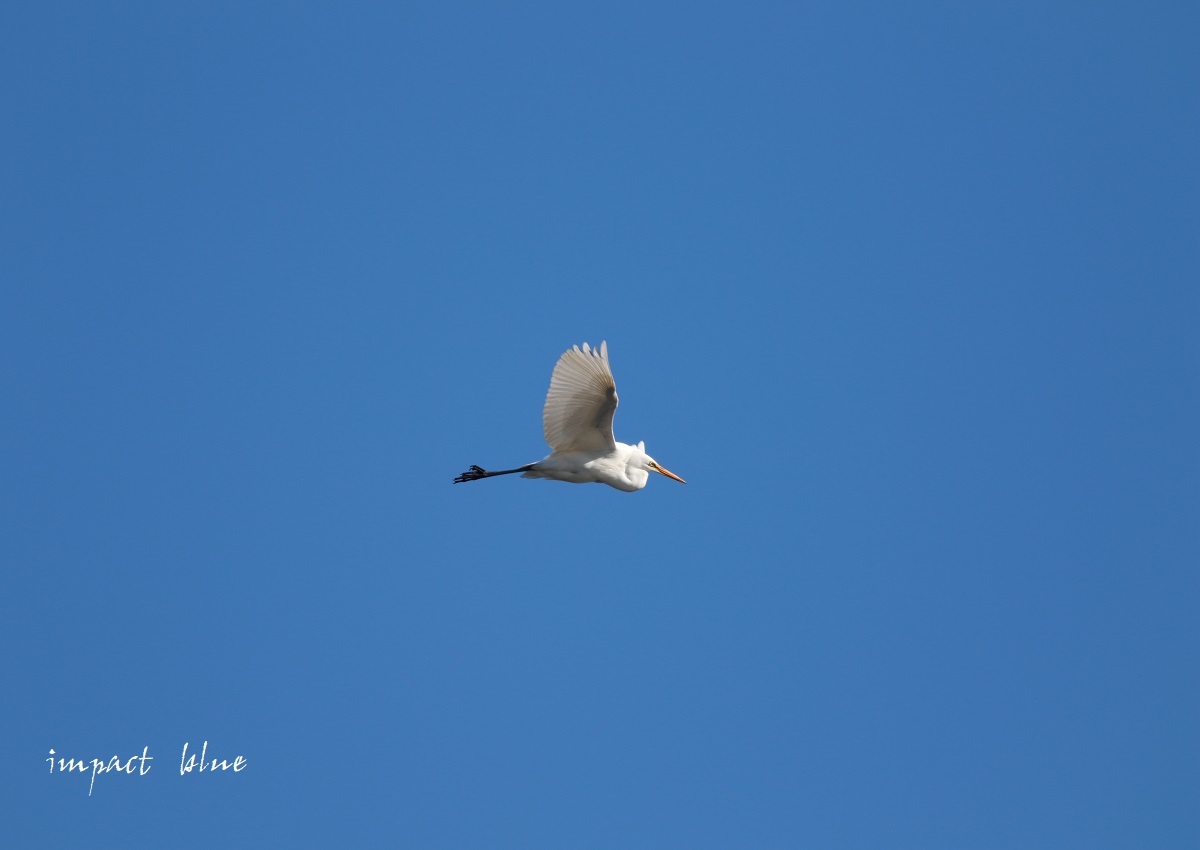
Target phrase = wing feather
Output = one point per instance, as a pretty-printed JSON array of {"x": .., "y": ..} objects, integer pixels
[{"x": 581, "y": 402}]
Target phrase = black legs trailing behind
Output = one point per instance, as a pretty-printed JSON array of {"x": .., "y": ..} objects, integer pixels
[{"x": 477, "y": 472}]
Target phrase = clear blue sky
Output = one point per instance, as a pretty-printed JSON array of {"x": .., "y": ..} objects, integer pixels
[{"x": 909, "y": 294}]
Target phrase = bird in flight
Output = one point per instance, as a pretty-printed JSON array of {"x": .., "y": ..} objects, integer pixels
[{"x": 578, "y": 419}]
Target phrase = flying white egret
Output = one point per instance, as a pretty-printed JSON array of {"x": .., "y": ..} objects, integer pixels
[{"x": 578, "y": 419}]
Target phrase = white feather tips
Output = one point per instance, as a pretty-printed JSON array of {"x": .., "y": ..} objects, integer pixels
[{"x": 600, "y": 353}]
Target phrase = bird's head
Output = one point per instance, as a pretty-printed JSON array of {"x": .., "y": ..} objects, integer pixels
[{"x": 641, "y": 460}]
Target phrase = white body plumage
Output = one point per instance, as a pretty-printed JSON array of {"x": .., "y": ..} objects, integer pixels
[
  {"x": 577, "y": 419},
  {"x": 624, "y": 467}
]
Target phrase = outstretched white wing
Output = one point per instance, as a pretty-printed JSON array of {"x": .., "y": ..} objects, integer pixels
[{"x": 581, "y": 402}]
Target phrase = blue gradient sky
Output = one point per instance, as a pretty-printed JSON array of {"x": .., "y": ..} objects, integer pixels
[{"x": 907, "y": 293}]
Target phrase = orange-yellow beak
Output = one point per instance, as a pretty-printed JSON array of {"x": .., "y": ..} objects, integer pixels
[{"x": 667, "y": 472}]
